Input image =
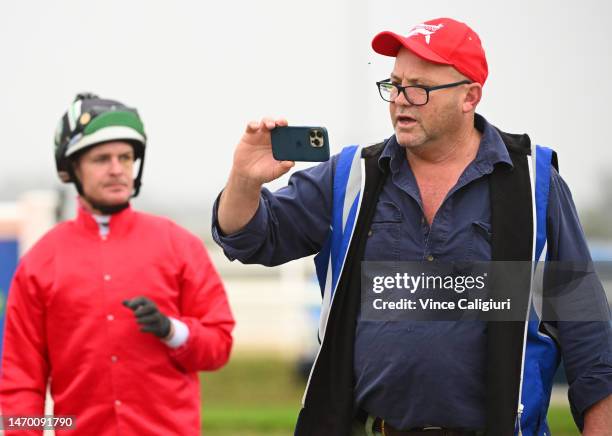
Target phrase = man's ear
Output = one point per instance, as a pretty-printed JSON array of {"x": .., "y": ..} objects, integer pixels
[{"x": 472, "y": 97}]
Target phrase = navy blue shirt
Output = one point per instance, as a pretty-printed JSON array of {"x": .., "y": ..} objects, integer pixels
[{"x": 416, "y": 374}]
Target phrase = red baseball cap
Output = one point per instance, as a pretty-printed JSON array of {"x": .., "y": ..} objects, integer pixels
[{"x": 442, "y": 41}]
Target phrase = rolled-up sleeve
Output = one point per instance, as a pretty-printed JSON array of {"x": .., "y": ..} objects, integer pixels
[
  {"x": 586, "y": 346},
  {"x": 290, "y": 223}
]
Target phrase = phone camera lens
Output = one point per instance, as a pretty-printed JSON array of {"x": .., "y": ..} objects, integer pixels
[
  {"x": 312, "y": 133},
  {"x": 317, "y": 142},
  {"x": 319, "y": 134}
]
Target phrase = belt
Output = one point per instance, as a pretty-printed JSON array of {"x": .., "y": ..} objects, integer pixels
[{"x": 380, "y": 426}]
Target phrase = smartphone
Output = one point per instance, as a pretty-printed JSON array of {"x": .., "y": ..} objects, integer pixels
[{"x": 302, "y": 144}]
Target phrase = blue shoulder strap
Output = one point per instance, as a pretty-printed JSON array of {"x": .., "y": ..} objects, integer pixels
[
  {"x": 342, "y": 221},
  {"x": 541, "y": 353},
  {"x": 543, "y": 164},
  {"x": 345, "y": 204}
]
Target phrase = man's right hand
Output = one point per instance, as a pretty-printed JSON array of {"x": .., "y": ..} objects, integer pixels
[
  {"x": 253, "y": 160},
  {"x": 253, "y": 166}
]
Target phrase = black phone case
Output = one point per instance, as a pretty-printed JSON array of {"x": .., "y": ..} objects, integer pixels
[{"x": 296, "y": 144}]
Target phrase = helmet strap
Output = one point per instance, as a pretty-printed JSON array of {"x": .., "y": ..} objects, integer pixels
[{"x": 138, "y": 179}]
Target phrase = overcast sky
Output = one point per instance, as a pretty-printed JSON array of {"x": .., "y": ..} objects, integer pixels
[{"x": 198, "y": 71}]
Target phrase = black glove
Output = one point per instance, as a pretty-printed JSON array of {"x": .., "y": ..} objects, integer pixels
[{"x": 149, "y": 317}]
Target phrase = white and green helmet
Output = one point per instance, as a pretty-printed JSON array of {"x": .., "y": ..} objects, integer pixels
[{"x": 91, "y": 120}]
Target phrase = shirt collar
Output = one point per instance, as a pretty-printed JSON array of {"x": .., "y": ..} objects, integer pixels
[
  {"x": 491, "y": 151},
  {"x": 103, "y": 224},
  {"x": 118, "y": 223}
]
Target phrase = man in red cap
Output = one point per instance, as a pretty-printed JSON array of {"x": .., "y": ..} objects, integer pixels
[{"x": 447, "y": 186}]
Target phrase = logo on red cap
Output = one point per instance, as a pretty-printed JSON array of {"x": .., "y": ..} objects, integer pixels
[{"x": 424, "y": 29}]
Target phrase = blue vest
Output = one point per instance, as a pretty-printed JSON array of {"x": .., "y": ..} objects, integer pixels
[{"x": 540, "y": 354}]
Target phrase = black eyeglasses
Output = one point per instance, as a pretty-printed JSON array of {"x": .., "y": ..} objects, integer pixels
[{"x": 417, "y": 95}]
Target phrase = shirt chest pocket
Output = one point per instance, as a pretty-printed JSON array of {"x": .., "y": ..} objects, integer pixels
[{"x": 383, "y": 243}]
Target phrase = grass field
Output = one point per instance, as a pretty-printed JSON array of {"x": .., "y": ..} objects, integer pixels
[{"x": 255, "y": 396}]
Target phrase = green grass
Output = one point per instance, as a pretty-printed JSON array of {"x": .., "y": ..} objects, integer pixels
[
  {"x": 262, "y": 419},
  {"x": 561, "y": 422},
  {"x": 251, "y": 396},
  {"x": 257, "y": 396}
]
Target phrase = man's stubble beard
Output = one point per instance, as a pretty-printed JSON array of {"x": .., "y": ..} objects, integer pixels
[
  {"x": 107, "y": 208},
  {"x": 420, "y": 136},
  {"x": 446, "y": 118}
]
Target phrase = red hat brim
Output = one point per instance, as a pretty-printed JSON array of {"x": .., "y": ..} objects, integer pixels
[{"x": 389, "y": 44}]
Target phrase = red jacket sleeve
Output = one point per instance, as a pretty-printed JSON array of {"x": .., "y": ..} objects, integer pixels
[
  {"x": 205, "y": 310},
  {"x": 25, "y": 368}
]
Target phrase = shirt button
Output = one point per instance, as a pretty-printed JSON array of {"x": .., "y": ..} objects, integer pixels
[
  {"x": 117, "y": 403},
  {"x": 370, "y": 233},
  {"x": 113, "y": 359},
  {"x": 107, "y": 277},
  {"x": 429, "y": 257},
  {"x": 110, "y": 317}
]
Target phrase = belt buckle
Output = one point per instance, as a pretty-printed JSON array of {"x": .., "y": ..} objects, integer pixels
[
  {"x": 428, "y": 428},
  {"x": 423, "y": 429},
  {"x": 369, "y": 426}
]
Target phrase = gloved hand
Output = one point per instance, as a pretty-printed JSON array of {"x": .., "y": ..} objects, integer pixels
[{"x": 149, "y": 317}]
